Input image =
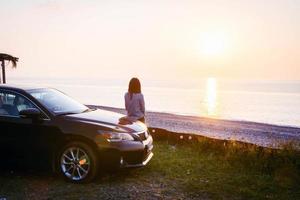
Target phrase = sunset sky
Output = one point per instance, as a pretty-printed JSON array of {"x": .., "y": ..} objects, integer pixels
[{"x": 164, "y": 40}]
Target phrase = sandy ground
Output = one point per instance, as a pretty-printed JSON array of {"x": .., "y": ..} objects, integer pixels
[{"x": 256, "y": 133}]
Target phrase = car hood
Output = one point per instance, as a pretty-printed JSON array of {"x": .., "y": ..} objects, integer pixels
[{"x": 107, "y": 119}]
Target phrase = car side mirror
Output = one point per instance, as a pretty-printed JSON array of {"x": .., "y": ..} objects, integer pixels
[{"x": 31, "y": 113}]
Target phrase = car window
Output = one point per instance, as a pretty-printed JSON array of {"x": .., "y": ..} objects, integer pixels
[
  {"x": 11, "y": 103},
  {"x": 57, "y": 102}
]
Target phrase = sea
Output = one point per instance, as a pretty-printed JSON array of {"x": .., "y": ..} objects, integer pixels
[{"x": 271, "y": 102}]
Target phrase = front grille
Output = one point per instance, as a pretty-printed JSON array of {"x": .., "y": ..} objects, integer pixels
[
  {"x": 144, "y": 135},
  {"x": 133, "y": 157},
  {"x": 146, "y": 153}
]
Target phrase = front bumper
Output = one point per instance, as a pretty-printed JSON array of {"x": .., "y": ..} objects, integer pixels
[
  {"x": 138, "y": 158},
  {"x": 127, "y": 154},
  {"x": 124, "y": 164}
]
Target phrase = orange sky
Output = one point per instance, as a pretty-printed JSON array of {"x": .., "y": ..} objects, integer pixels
[{"x": 153, "y": 39}]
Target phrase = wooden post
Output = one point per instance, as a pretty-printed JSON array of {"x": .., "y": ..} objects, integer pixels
[{"x": 3, "y": 72}]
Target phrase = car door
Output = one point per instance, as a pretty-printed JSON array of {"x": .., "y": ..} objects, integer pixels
[{"x": 17, "y": 135}]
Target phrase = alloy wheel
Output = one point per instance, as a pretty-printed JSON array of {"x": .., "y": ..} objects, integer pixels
[{"x": 75, "y": 163}]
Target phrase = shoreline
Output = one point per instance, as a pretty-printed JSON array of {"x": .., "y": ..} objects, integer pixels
[
  {"x": 211, "y": 118},
  {"x": 261, "y": 134}
]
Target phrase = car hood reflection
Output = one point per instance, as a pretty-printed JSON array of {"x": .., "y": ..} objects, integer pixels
[{"x": 107, "y": 118}]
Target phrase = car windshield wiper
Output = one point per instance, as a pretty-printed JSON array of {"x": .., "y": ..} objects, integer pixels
[
  {"x": 66, "y": 113},
  {"x": 71, "y": 113},
  {"x": 88, "y": 110}
]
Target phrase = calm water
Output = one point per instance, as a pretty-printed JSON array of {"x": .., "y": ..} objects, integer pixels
[{"x": 275, "y": 102}]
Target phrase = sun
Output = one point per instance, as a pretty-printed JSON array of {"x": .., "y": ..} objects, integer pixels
[{"x": 212, "y": 44}]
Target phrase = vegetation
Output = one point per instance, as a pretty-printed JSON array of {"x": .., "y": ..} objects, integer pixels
[
  {"x": 5, "y": 57},
  {"x": 195, "y": 169}
]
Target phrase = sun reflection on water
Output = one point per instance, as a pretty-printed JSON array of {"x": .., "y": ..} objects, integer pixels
[{"x": 211, "y": 97}]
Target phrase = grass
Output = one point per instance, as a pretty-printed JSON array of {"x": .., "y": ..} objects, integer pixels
[{"x": 203, "y": 169}]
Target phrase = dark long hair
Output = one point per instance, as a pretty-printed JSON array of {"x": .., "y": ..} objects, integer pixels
[{"x": 134, "y": 86}]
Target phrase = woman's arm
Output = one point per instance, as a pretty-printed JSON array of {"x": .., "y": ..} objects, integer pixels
[
  {"x": 142, "y": 103},
  {"x": 126, "y": 102}
]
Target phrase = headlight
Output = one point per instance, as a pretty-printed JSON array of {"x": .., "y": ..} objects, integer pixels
[{"x": 116, "y": 137}]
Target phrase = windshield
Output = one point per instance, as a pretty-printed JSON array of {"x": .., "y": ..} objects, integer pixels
[{"x": 57, "y": 102}]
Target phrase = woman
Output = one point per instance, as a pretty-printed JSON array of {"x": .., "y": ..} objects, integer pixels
[{"x": 134, "y": 102}]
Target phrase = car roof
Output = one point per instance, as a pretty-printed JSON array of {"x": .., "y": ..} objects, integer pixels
[{"x": 19, "y": 87}]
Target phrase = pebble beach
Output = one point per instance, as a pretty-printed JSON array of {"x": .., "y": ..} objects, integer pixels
[{"x": 265, "y": 135}]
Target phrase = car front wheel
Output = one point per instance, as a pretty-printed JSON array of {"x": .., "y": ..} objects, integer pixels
[{"x": 78, "y": 162}]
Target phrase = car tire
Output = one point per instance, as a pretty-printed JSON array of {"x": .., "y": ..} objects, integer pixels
[{"x": 78, "y": 162}]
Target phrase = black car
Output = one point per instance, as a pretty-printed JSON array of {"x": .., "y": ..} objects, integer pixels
[{"x": 38, "y": 123}]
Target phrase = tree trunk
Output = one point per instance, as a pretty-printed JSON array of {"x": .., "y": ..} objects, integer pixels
[{"x": 3, "y": 72}]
